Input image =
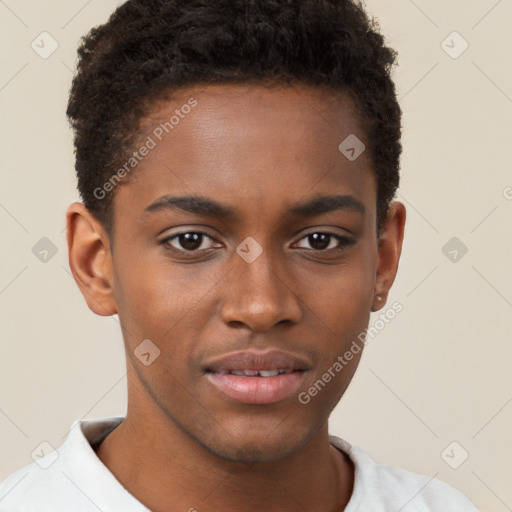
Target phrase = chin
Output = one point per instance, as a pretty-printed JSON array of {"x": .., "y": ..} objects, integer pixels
[
  {"x": 251, "y": 453},
  {"x": 250, "y": 446}
]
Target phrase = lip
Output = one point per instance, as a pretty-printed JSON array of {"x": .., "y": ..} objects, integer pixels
[
  {"x": 257, "y": 389},
  {"x": 257, "y": 360}
]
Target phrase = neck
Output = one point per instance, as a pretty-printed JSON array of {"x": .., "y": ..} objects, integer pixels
[{"x": 160, "y": 464}]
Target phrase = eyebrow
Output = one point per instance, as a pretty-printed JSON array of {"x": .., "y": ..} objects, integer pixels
[{"x": 204, "y": 206}]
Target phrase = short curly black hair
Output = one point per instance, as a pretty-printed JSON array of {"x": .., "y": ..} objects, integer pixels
[{"x": 148, "y": 48}]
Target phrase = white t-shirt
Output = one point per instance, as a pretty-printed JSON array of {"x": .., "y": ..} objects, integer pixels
[{"x": 73, "y": 479}]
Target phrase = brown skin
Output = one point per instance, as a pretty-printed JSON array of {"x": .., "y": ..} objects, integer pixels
[{"x": 259, "y": 151}]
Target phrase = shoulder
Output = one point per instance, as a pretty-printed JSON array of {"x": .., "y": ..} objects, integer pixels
[
  {"x": 32, "y": 487},
  {"x": 382, "y": 487},
  {"x": 68, "y": 478}
]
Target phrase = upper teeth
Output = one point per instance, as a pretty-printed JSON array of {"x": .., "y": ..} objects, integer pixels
[{"x": 260, "y": 373}]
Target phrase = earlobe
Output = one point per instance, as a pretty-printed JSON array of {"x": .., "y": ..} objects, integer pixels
[
  {"x": 90, "y": 259},
  {"x": 378, "y": 302},
  {"x": 389, "y": 251}
]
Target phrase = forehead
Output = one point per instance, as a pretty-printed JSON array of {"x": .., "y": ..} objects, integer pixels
[{"x": 250, "y": 144}]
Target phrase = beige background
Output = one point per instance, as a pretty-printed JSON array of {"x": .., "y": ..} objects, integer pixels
[{"x": 438, "y": 373}]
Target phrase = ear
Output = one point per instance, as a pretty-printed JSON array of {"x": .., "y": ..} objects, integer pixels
[
  {"x": 390, "y": 247},
  {"x": 90, "y": 259}
]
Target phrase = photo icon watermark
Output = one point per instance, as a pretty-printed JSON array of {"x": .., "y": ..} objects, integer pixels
[
  {"x": 146, "y": 352},
  {"x": 45, "y": 45},
  {"x": 352, "y": 147},
  {"x": 44, "y": 455},
  {"x": 454, "y": 45},
  {"x": 454, "y": 249},
  {"x": 455, "y": 455},
  {"x": 249, "y": 249},
  {"x": 44, "y": 250}
]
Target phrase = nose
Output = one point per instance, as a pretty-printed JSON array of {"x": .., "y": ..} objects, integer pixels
[{"x": 259, "y": 295}]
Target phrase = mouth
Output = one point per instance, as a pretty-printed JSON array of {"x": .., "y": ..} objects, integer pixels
[
  {"x": 257, "y": 377},
  {"x": 255, "y": 373}
]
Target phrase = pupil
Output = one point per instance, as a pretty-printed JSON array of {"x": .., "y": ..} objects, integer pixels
[
  {"x": 319, "y": 240},
  {"x": 190, "y": 240}
]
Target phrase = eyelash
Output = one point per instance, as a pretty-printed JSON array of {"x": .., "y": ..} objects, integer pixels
[{"x": 344, "y": 241}]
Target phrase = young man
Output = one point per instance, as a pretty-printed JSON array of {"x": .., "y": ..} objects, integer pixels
[{"x": 237, "y": 162}]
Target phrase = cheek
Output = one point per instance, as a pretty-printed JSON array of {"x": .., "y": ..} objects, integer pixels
[
  {"x": 339, "y": 309},
  {"x": 146, "y": 296},
  {"x": 342, "y": 297},
  {"x": 159, "y": 300}
]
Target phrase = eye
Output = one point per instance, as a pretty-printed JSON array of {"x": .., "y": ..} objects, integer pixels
[
  {"x": 194, "y": 241},
  {"x": 189, "y": 241},
  {"x": 325, "y": 240}
]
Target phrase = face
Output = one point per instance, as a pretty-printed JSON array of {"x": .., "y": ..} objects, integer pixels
[{"x": 245, "y": 241}]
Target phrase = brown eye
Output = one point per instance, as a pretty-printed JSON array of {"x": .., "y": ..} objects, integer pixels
[
  {"x": 321, "y": 241},
  {"x": 188, "y": 241}
]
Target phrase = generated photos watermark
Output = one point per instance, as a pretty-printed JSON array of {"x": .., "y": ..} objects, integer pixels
[
  {"x": 151, "y": 143},
  {"x": 357, "y": 345}
]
